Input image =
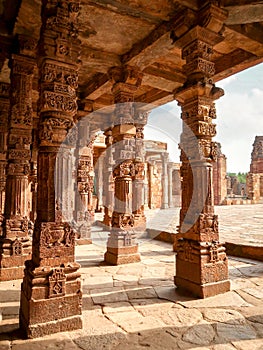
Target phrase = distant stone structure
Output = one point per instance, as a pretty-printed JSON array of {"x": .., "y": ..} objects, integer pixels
[
  {"x": 255, "y": 176},
  {"x": 219, "y": 177}
]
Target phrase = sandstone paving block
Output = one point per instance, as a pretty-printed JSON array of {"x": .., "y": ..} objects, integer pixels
[
  {"x": 5, "y": 345},
  {"x": 181, "y": 317},
  {"x": 241, "y": 283},
  {"x": 154, "y": 281},
  {"x": 234, "y": 332},
  {"x": 253, "y": 314},
  {"x": 135, "y": 269},
  {"x": 108, "y": 295},
  {"x": 150, "y": 262},
  {"x": 221, "y": 300},
  {"x": 154, "y": 271},
  {"x": 258, "y": 327},
  {"x": 140, "y": 292},
  {"x": 59, "y": 341},
  {"x": 182, "y": 345},
  {"x": 200, "y": 334},
  {"x": 93, "y": 271},
  {"x": 223, "y": 346},
  {"x": 133, "y": 321},
  {"x": 153, "y": 307},
  {"x": 117, "y": 307},
  {"x": 255, "y": 292},
  {"x": 96, "y": 342},
  {"x": 256, "y": 344},
  {"x": 253, "y": 301},
  {"x": 96, "y": 282},
  {"x": 223, "y": 316},
  {"x": 170, "y": 293},
  {"x": 123, "y": 280},
  {"x": 158, "y": 339},
  {"x": 257, "y": 281}
]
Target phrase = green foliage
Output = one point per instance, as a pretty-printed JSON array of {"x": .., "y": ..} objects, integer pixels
[{"x": 240, "y": 176}]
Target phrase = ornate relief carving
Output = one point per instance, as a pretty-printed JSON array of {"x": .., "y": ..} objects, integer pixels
[
  {"x": 17, "y": 247},
  {"x": 57, "y": 282},
  {"x": 197, "y": 48},
  {"x": 51, "y": 236},
  {"x": 123, "y": 221},
  {"x": 214, "y": 254},
  {"x": 16, "y": 225},
  {"x": 59, "y": 102},
  {"x": 200, "y": 65}
]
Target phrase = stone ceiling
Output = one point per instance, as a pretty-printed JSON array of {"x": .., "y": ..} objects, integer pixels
[{"x": 141, "y": 33}]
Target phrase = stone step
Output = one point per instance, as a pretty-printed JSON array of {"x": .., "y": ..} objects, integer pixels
[
  {"x": 9, "y": 325},
  {"x": 9, "y": 310}
]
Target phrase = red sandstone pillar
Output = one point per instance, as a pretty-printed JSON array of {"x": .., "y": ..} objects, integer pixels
[
  {"x": 85, "y": 179},
  {"x": 139, "y": 174},
  {"x": 51, "y": 289},
  {"x": 165, "y": 204},
  {"x": 201, "y": 262},
  {"x": 4, "y": 110},
  {"x": 109, "y": 180},
  {"x": 122, "y": 246},
  {"x": 15, "y": 242}
]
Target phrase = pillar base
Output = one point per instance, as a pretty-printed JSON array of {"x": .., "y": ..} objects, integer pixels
[
  {"x": 12, "y": 273},
  {"x": 13, "y": 254},
  {"x": 121, "y": 248},
  {"x": 202, "y": 291},
  {"x": 120, "y": 259},
  {"x": 42, "y": 329},
  {"x": 51, "y": 299}
]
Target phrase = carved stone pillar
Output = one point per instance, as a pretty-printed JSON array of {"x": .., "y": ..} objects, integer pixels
[
  {"x": 100, "y": 181},
  {"x": 201, "y": 262},
  {"x": 121, "y": 246},
  {"x": 164, "y": 181},
  {"x": 85, "y": 177},
  {"x": 51, "y": 289},
  {"x": 108, "y": 179},
  {"x": 15, "y": 242},
  {"x": 170, "y": 185},
  {"x": 139, "y": 174},
  {"x": 4, "y": 110}
]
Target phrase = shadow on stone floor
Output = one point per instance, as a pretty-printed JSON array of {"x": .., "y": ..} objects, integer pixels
[{"x": 234, "y": 334}]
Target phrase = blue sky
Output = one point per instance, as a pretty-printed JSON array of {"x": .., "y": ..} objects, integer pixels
[{"x": 239, "y": 119}]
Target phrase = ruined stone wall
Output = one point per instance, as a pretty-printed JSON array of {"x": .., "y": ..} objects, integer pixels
[
  {"x": 219, "y": 177},
  {"x": 255, "y": 176},
  {"x": 155, "y": 184}
]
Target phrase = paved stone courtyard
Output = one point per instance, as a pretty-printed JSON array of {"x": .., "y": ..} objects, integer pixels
[{"x": 136, "y": 306}]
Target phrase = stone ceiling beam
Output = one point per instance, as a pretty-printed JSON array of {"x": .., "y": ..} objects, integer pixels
[
  {"x": 97, "y": 86},
  {"x": 248, "y": 13},
  {"x": 98, "y": 60},
  {"x": 160, "y": 41},
  {"x": 192, "y": 4},
  {"x": 159, "y": 82},
  {"x": 117, "y": 7},
  {"x": 252, "y": 31},
  {"x": 243, "y": 42},
  {"x": 156, "y": 97},
  {"x": 232, "y": 63}
]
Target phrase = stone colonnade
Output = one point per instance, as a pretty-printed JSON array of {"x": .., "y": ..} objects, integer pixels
[{"x": 51, "y": 288}]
